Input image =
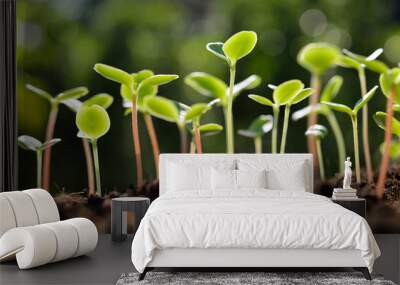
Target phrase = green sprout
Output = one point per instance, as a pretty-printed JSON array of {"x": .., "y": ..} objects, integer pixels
[
  {"x": 258, "y": 127},
  {"x": 390, "y": 85},
  {"x": 104, "y": 100},
  {"x": 328, "y": 94},
  {"x": 211, "y": 86},
  {"x": 170, "y": 111},
  {"x": 206, "y": 130},
  {"x": 353, "y": 116},
  {"x": 134, "y": 88},
  {"x": 236, "y": 47},
  {"x": 351, "y": 60},
  {"x": 30, "y": 143},
  {"x": 93, "y": 122},
  {"x": 319, "y": 132},
  {"x": 194, "y": 114},
  {"x": 51, "y": 122},
  {"x": 380, "y": 119},
  {"x": 287, "y": 93},
  {"x": 127, "y": 104},
  {"x": 317, "y": 58}
]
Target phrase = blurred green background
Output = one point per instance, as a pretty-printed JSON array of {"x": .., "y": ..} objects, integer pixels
[{"x": 59, "y": 41}]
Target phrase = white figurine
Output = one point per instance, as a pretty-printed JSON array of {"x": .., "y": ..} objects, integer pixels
[{"x": 347, "y": 174}]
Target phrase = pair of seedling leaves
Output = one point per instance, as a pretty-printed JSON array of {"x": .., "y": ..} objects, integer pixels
[
  {"x": 142, "y": 87},
  {"x": 318, "y": 131},
  {"x": 236, "y": 47},
  {"x": 181, "y": 114},
  {"x": 135, "y": 87},
  {"x": 92, "y": 118},
  {"x": 207, "y": 85},
  {"x": 30, "y": 143},
  {"x": 33, "y": 144},
  {"x": 389, "y": 78},
  {"x": 258, "y": 127},
  {"x": 319, "y": 57}
]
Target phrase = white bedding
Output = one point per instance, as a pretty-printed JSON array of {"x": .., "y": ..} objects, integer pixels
[{"x": 252, "y": 218}]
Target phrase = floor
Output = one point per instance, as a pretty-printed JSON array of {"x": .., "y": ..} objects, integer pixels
[
  {"x": 103, "y": 266},
  {"x": 110, "y": 259}
]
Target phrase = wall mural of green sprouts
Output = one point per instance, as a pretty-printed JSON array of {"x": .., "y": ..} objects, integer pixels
[
  {"x": 32, "y": 144},
  {"x": 140, "y": 95},
  {"x": 236, "y": 47},
  {"x": 134, "y": 88},
  {"x": 54, "y": 104},
  {"x": 260, "y": 126}
]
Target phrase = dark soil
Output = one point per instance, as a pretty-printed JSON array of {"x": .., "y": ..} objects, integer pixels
[
  {"x": 98, "y": 209},
  {"x": 383, "y": 215}
]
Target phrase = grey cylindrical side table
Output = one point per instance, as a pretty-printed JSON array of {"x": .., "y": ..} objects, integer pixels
[{"x": 119, "y": 208}]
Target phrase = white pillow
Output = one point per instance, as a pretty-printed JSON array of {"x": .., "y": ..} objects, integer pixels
[
  {"x": 188, "y": 177},
  {"x": 251, "y": 178},
  {"x": 282, "y": 174},
  {"x": 223, "y": 179},
  {"x": 293, "y": 180},
  {"x": 184, "y": 174}
]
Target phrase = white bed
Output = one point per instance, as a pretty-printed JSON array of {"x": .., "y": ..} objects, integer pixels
[{"x": 227, "y": 226}]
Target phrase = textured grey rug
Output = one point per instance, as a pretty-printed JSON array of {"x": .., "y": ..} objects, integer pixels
[{"x": 232, "y": 278}]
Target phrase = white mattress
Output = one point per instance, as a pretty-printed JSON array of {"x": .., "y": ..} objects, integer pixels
[{"x": 253, "y": 219}]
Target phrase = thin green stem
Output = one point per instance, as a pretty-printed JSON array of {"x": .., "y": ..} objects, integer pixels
[
  {"x": 89, "y": 166},
  {"x": 258, "y": 144},
  {"x": 383, "y": 169},
  {"x": 356, "y": 147},
  {"x": 183, "y": 137},
  {"x": 337, "y": 132},
  {"x": 320, "y": 159},
  {"x": 285, "y": 128},
  {"x": 136, "y": 140},
  {"x": 153, "y": 140},
  {"x": 192, "y": 146},
  {"x": 365, "y": 135},
  {"x": 312, "y": 118},
  {"x": 51, "y": 123},
  {"x": 96, "y": 167},
  {"x": 275, "y": 129},
  {"x": 39, "y": 155},
  {"x": 197, "y": 136},
  {"x": 230, "y": 144}
]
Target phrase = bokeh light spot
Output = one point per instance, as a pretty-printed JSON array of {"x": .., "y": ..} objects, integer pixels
[
  {"x": 392, "y": 49},
  {"x": 313, "y": 22}
]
